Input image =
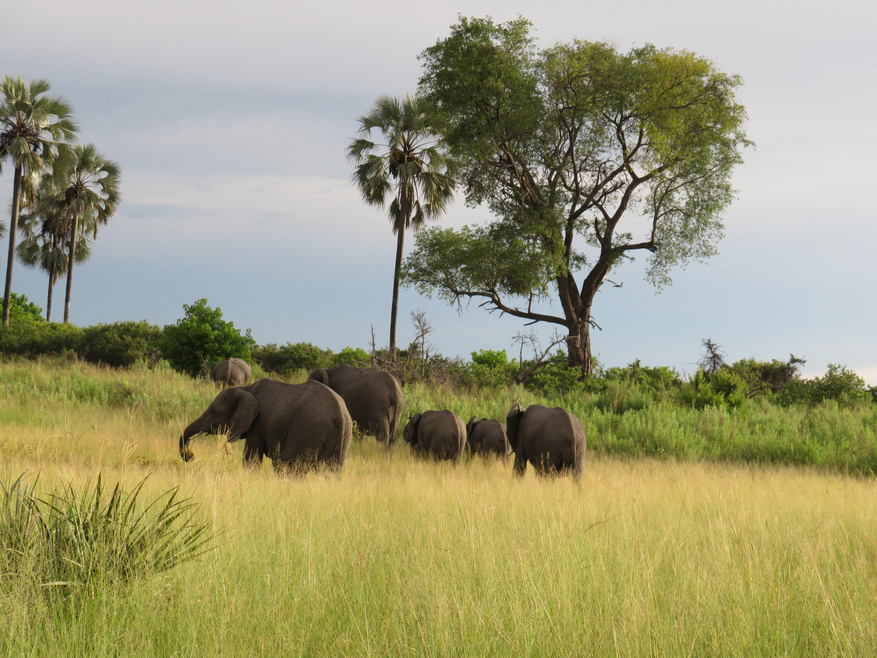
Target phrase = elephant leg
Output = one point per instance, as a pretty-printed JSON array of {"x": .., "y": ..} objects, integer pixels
[
  {"x": 253, "y": 454},
  {"x": 520, "y": 464}
]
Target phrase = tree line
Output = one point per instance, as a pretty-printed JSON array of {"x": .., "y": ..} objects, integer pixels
[{"x": 62, "y": 191}]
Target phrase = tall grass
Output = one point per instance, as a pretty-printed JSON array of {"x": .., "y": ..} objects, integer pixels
[{"x": 401, "y": 556}]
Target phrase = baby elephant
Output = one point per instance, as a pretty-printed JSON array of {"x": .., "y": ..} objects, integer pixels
[
  {"x": 551, "y": 439},
  {"x": 232, "y": 372},
  {"x": 296, "y": 425},
  {"x": 487, "y": 438},
  {"x": 440, "y": 434}
]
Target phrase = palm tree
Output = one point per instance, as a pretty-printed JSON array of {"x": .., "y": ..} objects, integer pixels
[
  {"x": 33, "y": 129},
  {"x": 408, "y": 166},
  {"x": 90, "y": 191},
  {"x": 44, "y": 239}
]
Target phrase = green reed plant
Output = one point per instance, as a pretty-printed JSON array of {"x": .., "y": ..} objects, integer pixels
[{"x": 79, "y": 536}]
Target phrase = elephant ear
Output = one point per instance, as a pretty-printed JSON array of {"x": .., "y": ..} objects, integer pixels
[
  {"x": 513, "y": 419},
  {"x": 321, "y": 375},
  {"x": 470, "y": 426},
  {"x": 246, "y": 408},
  {"x": 410, "y": 433}
]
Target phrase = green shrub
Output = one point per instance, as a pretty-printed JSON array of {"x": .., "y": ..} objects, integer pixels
[
  {"x": 202, "y": 339},
  {"x": 291, "y": 357},
  {"x": 31, "y": 338},
  {"x": 121, "y": 344},
  {"x": 840, "y": 384},
  {"x": 20, "y": 308},
  {"x": 352, "y": 356}
]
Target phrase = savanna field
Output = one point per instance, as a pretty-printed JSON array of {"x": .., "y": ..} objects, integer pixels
[{"x": 723, "y": 532}]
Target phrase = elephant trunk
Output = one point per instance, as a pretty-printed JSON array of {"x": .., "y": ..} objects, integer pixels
[{"x": 191, "y": 431}]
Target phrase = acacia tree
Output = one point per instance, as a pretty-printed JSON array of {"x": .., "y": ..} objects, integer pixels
[
  {"x": 33, "y": 132},
  {"x": 90, "y": 195},
  {"x": 408, "y": 166},
  {"x": 574, "y": 149}
]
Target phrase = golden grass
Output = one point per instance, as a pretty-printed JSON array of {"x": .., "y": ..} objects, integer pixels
[{"x": 400, "y": 556}]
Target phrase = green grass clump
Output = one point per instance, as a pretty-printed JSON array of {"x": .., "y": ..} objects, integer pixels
[{"x": 76, "y": 538}]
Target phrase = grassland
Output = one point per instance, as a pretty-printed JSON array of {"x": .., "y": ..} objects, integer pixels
[{"x": 693, "y": 554}]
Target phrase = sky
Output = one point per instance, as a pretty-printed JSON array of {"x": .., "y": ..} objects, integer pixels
[{"x": 230, "y": 122}]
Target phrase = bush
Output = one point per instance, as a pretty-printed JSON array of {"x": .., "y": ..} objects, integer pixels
[
  {"x": 291, "y": 357},
  {"x": 840, "y": 384},
  {"x": 121, "y": 344},
  {"x": 352, "y": 356},
  {"x": 490, "y": 368},
  {"x": 31, "y": 338},
  {"x": 202, "y": 339},
  {"x": 20, "y": 308}
]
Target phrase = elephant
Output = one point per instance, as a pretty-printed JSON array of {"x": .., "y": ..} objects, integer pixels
[
  {"x": 487, "y": 437},
  {"x": 552, "y": 439},
  {"x": 296, "y": 425},
  {"x": 373, "y": 397},
  {"x": 232, "y": 372},
  {"x": 440, "y": 434}
]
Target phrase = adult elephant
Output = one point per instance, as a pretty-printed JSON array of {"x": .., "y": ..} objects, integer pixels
[
  {"x": 232, "y": 372},
  {"x": 487, "y": 437},
  {"x": 440, "y": 434},
  {"x": 373, "y": 397},
  {"x": 551, "y": 439},
  {"x": 296, "y": 425}
]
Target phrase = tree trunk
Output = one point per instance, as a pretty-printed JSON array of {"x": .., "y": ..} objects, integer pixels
[
  {"x": 397, "y": 272},
  {"x": 579, "y": 338},
  {"x": 52, "y": 280},
  {"x": 13, "y": 229},
  {"x": 73, "y": 231}
]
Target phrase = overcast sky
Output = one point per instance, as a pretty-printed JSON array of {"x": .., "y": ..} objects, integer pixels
[{"x": 230, "y": 122}]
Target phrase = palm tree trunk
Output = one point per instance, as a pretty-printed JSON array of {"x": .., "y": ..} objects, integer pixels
[
  {"x": 52, "y": 279},
  {"x": 73, "y": 231},
  {"x": 397, "y": 272},
  {"x": 13, "y": 229}
]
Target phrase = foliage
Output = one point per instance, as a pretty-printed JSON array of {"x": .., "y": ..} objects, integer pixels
[
  {"x": 121, "y": 344},
  {"x": 561, "y": 145},
  {"x": 22, "y": 309},
  {"x": 489, "y": 368},
  {"x": 839, "y": 384},
  {"x": 29, "y": 337},
  {"x": 201, "y": 339},
  {"x": 352, "y": 356},
  {"x": 73, "y": 538},
  {"x": 288, "y": 358},
  {"x": 655, "y": 380}
]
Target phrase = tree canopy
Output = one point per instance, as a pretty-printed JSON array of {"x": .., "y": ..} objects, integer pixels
[{"x": 585, "y": 156}]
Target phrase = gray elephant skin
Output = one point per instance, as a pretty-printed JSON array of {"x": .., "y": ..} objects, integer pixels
[
  {"x": 296, "y": 425},
  {"x": 439, "y": 434},
  {"x": 373, "y": 397},
  {"x": 550, "y": 438},
  {"x": 487, "y": 438},
  {"x": 232, "y": 372}
]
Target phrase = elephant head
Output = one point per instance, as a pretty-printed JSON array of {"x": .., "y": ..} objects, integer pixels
[
  {"x": 513, "y": 419},
  {"x": 232, "y": 412},
  {"x": 410, "y": 433},
  {"x": 470, "y": 426},
  {"x": 321, "y": 375}
]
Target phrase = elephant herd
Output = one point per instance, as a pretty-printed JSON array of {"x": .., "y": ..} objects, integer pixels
[{"x": 302, "y": 425}]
